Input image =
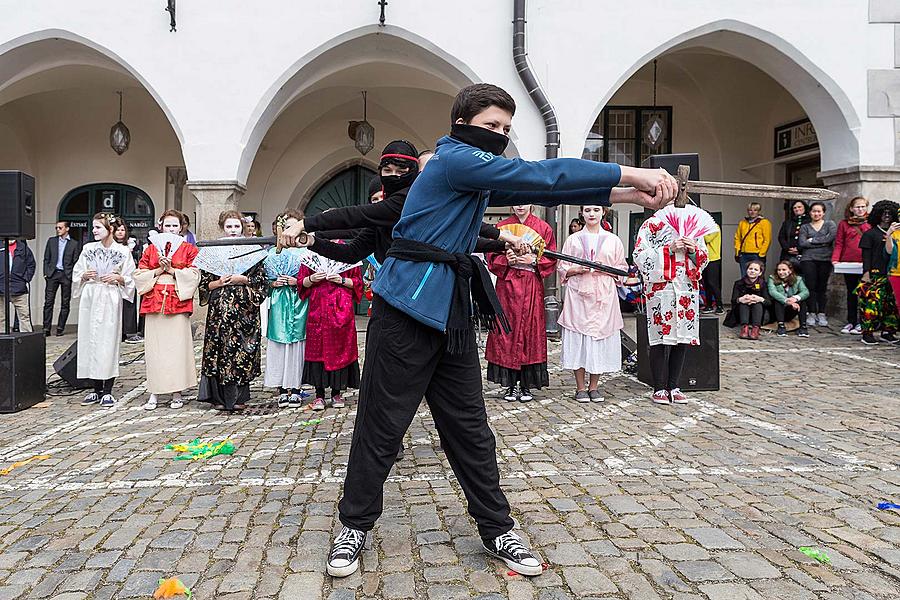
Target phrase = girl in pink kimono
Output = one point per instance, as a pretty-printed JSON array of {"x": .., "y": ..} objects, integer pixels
[
  {"x": 671, "y": 267},
  {"x": 591, "y": 319},
  {"x": 332, "y": 356}
]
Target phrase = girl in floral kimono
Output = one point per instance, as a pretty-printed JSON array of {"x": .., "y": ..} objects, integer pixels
[
  {"x": 332, "y": 356},
  {"x": 591, "y": 319},
  {"x": 100, "y": 308},
  {"x": 167, "y": 285},
  {"x": 672, "y": 268},
  {"x": 286, "y": 328},
  {"x": 518, "y": 360},
  {"x": 231, "y": 345}
]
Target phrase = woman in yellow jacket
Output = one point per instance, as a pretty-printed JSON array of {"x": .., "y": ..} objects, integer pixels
[
  {"x": 752, "y": 238},
  {"x": 712, "y": 274}
]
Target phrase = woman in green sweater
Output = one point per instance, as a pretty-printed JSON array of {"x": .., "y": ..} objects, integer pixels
[{"x": 789, "y": 295}]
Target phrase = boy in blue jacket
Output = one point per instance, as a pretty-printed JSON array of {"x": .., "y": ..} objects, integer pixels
[{"x": 420, "y": 340}]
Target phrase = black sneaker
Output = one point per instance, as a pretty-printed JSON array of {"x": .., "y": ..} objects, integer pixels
[
  {"x": 511, "y": 394},
  {"x": 868, "y": 338},
  {"x": 343, "y": 559},
  {"x": 720, "y": 310},
  {"x": 509, "y": 548},
  {"x": 525, "y": 395},
  {"x": 92, "y": 398},
  {"x": 889, "y": 337},
  {"x": 802, "y": 332},
  {"x": 781, "y": 330}
]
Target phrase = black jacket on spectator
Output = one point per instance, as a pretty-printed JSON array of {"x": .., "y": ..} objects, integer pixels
[
  {"x": 22, "y": 270},
  {"x": 875, "y": 259},
  {"x": 742, "y": 288},
  {"x": 70, "y": 256},
  {"x": 789, "y": 236}
]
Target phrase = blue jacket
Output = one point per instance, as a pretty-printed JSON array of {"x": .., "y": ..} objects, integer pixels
[
  {"x": 446, "y": 204},
  {"x": 21, "y": 272}
]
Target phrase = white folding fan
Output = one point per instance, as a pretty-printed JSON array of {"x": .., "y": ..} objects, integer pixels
[
  {"x": 229, "y": 260},
  {"x": 165, "y": 243},
  {"x": 104, "y": 260},
  {"x": 687, "y": 221}
]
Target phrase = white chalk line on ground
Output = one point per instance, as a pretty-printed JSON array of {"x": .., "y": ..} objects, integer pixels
[
  {"x": 326, "y": 476},
  {"x": 841, "y": 351}
]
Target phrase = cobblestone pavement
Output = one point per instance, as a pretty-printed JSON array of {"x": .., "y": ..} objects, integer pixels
[{"x": 624, "y": 499}]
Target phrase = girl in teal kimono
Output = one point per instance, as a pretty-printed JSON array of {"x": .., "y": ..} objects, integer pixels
[{"x": 286, "y": 331}]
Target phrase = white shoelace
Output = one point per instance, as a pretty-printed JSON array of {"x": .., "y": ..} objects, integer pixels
[
  {"x": 512, "y": 544},
  {"x": 347, "y": 542}
]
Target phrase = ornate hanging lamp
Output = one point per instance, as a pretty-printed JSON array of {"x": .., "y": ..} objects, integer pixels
[
  {"x": 119, "y": 136},
  {"x": 361, "y": 132},
  {"x": 655, "y": 128}
]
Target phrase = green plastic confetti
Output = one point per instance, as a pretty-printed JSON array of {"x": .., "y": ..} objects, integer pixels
[
  {"x": 815, "y": 553},
  {"x": 195, "y": 449},
  {"x": 310, "y": 422}
]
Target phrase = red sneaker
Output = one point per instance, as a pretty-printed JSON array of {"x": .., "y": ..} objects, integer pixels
[
  {"x": 678, "y": 396},
  {"x": 660, "y": 397}
]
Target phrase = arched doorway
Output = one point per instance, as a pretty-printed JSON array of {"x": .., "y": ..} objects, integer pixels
[
  {"x": 347, "y": 188},
  {"x": 132, "y": 204}
]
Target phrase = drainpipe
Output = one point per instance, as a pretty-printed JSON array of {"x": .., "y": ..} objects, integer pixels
[{"x": 551, "y": 302}]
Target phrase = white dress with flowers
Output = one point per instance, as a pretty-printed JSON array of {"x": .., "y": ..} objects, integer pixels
[{"x": 671, "y": 284}]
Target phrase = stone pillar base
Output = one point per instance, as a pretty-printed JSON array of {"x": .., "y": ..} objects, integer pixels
[
  {"x": 213, "y": 197},
  {"x": 874, "y": 183}
]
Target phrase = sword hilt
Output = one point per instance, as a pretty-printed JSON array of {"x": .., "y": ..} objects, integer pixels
[{"x": 682, "y": 175}]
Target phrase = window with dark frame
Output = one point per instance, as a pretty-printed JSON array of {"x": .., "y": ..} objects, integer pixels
[{"x": 618, "y": 135}]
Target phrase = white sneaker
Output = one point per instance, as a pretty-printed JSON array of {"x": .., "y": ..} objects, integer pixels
[
  {"x": 857, "y": 330},
  {"x": 150, "y": 404},
  {"x": 176, "y": 403},
  {"x": 811, "y": 320},
  {"x": 823, "y": 320},
  {"x": 284, "y": 400},
  {"x": 847, "y": 329}
]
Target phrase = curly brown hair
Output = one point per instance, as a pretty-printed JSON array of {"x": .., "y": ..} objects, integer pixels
[{"x": 174, "y": 213}]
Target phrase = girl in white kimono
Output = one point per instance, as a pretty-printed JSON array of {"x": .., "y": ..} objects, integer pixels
[
  {"x": 102, "y": 278},
  {"x": 591, "y": 319},
  {"x": 672, "y": 268}
]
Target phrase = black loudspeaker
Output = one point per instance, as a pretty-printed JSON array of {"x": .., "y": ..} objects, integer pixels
[
  {"x": 23, "y": 381},
  {"x": 670, "y": 163},
  {"x": 701, "y": 365},
  {"x": 66, "y": 366},
  {"x": 17, "y": 205}
]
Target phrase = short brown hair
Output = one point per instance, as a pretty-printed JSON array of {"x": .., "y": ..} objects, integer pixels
[
  {"x": 289, "y": 213},
  {"x": 473, "y": 99},
  {"x": 230, "y": 214},
  {"x": 182, "y": 219}
]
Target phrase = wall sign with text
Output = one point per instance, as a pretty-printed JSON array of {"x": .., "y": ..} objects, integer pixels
[{"x": 795, "y": 137}]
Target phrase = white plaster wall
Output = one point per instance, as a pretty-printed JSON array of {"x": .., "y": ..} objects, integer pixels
[{"x": 215, "y": 77}]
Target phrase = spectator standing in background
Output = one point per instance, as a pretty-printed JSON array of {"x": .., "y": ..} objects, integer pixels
[
  {"x": 21, "y": 270},
  {"x": 846, "y": 249},
  {"x": 60, "y": 256},
  {"x": 789, "y": 234},
  {"x": 752, "y": 238},
  {"x": 877, "y": 309},
  {"x": 712, "y": 274},
  {"x": 816, "y": 247}
]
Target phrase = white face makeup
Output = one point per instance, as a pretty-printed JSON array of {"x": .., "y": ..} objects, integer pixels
[
  {"x": 171, "y": 225},
  {"x": 233, "y": 227},
  {"x": 592, "y": 215},
  {"x": 99, "y": 230},
  {"x": 522, "y": 211},
  {"x": 753, "y": 271}
]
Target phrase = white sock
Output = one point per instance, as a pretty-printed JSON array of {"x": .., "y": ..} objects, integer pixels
[{"x": 152, "y": 399}]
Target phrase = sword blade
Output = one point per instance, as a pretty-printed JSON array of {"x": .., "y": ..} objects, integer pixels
[
  {"x": 586, "y": 263},
  {"x": 239, "y": 241},
  {"x": 780, "y": 192}
]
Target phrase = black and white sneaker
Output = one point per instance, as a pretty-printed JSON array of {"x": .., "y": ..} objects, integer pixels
[
  {"x": 889, "y": 337},
  {"x": 525, "y": 395},
  {"x": 509, "y": 548},
  {"x": 343, "y": 559},
  {"x": 511, "y": 394},
  {"x": 868, "y": 338},
  {"x": 92, "y": 398}
]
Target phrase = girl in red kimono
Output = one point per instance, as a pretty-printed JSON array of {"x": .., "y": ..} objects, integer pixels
[
  {"x": 167, "y": 286},
  {"x": 331, "y": 351},
  {"x": 518, "y": 360}
]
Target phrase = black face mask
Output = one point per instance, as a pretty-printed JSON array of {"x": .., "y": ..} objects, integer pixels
[
  {"x": 481, "y": 138},
  {"x": 395, "y": 183}
]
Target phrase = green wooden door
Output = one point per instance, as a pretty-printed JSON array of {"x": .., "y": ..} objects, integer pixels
[{"x": 347, "y": 188}]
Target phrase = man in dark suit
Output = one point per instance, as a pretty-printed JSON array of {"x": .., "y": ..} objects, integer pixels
[{"x": 60, "y": 257}]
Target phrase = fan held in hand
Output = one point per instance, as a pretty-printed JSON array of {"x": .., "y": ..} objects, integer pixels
[{"x": 688, "y": 221}]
